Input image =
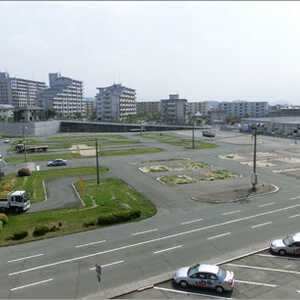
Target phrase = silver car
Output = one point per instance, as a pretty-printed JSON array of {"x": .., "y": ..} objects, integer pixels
[
  {"x": 288, "y": 245},
  {"x": 206, "y": 276}
]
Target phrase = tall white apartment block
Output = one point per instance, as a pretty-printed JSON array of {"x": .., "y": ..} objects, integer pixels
[
  {"x": 19, "y": 92},
  {"x": 115, "y": 102},
  {"x": 65, "y": 95},
  {"x": 198, "y": 107},
  {"x": 243, "y": 108}
]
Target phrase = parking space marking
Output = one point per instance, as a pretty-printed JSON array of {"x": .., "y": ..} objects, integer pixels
[
  {"x": 193, "y": 221},
  {"x": 143, "y": 232},
  {"x": 295, "y": 198},
  {"x": 256, "y": 283},
  {"x": 89, "y": 244},
  {"x": 168, "y": 249},
  {"x": 275, "y": 256},
  {"x": 294, "y": 216},
  {"x": 108, "y": 265},
  {"x": 231, "y": 212},
  {"x": 219, "y": 235},
  {"x": 23, "y": 258},
  {"x": 264, "y": 269},
  {"x": 260, "y": 225},
  {"x": 266, "y": 204},
  {"x": 189, "y": 293},
  {"x": 31, "y": 284}
]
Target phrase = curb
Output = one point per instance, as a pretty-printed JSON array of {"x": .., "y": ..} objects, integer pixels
[
  {"x": 45, "y": 190},
  {"x": 77, "y": 194}
]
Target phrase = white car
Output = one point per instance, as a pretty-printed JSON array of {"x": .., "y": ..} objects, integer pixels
[
  {"x": 6, "y": 141},
  {"x": 288, "y": 245}
]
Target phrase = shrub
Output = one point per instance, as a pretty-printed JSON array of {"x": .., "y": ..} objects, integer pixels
[
  {"x": 3, "y": 218},
  {"x": 54, "y": 228},
  {"x": 135, "y": 213},
  {"x": 118, "y": 217},
  {"x": 19, "y": 235},
  {"x": 89, "y": 223},
  {"x": 59, "y": 224},
  {"x": 24, "y": 172},
  {"x": 7, "y": 186},
  {"x": 40, "y": 230},
  {"x": 1, "y": 226}
]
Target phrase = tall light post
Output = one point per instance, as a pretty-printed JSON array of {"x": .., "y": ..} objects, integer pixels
[
  {"x": 254, "y": 175},
  {"x": 97, "y": 162},
  {"x": 193, "y": 134}
]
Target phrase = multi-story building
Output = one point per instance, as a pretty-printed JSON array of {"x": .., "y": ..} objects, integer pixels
[
  {"x": 65, "y": 95},
  {"x": 147, "y": 107},
  {"x": 242, "y": 109},
  {"x": 19, "y": 92},
  {"x": 115, "y": 103},
  {"x": 174, "y": 110},
  {"x": 198, "y": 107},
  {"x": 89, "y": 106}
]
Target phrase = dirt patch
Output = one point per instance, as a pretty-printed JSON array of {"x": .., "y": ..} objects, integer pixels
[
  {"x": 235, "y": 195},
  {"x": 259, "y": 163},
  {"x": 83, "y": 150}
]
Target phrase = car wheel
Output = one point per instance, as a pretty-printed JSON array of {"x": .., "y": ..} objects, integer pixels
[
  {"x": 282, "y": 252},
  {"x": 183, "y": 284},
  {"x": 219, "y": 290}
]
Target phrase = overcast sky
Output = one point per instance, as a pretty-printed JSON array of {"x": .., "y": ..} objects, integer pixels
[{"x": 201, "y": 50}]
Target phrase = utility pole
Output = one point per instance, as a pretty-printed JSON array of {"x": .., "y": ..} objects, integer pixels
[
  {"x": 24, "y": 143},
  {"x": 254, "y": 175},
  {"x": 193, "y": 134},
  {"x": 97, "y": 162}
]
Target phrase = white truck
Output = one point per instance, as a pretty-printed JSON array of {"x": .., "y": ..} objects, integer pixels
[{"x": 17, "y": 201}]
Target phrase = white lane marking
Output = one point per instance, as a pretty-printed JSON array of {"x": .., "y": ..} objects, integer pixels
[
  {"x": 153, "y": 240},
  {"x": 23, "y": 258},
  {"x": 108, "y": 265},
  {"x": 168, "y": 249},
  {"x": 294, "y": 216},
  {"x": 260, "y": 225},
  {"x": 192, "y": 221},
  {"x": 266, "y": 204},
  {"x": 89, "y": 244},
  {"x": 264, "y": 269},
  {"x": 142, "y": 232},
  {"x": 219, "y": 235},
  {"x": 189, "y": 293},
  {"x": 37, "y": 168},
  {"x": 275, "y": 256},
  {"x": 31, "y": 284},
  {"x": 295, "y": 198},
  {"x": 256, "y": 283},
  {"x": 230, "y": 212}
]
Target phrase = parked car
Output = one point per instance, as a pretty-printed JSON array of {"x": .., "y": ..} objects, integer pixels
[
  {"x": 0, "y": 156},
  {"x": 206, "y": 276},
  {"x": 57, "y": 162},
  {"x": 208, "y": 134},
  {"x": 288, "y": 245},
  {"x": 6, "y": 141}
]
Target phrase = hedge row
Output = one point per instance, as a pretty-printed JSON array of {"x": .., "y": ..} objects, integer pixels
[{"x": 118, "y": 217}]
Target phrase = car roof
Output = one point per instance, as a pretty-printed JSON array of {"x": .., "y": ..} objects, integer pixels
[
  {"x": 296, "y": 237},
  {"x": 18, "y": 193},
  {"x": 208, "y": 268}
]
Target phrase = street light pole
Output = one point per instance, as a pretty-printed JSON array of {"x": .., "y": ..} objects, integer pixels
[
  {"x": 193, "y": 134},
  {"x": 97, "y": 162},
  {"x": 24, "y": 142},
  {"x": 254, "y": 175}
]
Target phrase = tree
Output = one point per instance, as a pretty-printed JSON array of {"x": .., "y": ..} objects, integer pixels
[{"x": 50, "y": 113}]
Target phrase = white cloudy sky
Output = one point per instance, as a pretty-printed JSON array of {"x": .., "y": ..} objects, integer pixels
[{"x": 201, "y": 50}]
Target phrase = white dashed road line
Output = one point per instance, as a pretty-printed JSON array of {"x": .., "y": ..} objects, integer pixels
[
  {"x": 264, "y": 269},
  {"x": 108, "y": 265},
  {"x": 168, "y": 249},
  {"x": 143, "y": 232},
  {"x": 230, "y": 212},
  {"x": 260, "y": 225},
  {"x": 189, "y": 293},
  {"x": 266, "y": 204},
  {"x": 192, "y": 221},
  {"x": 219, "y": 235},
  {"x": 256, "y": 283},
  {"x": 89, "y": 244},
  {"x": 295, "y": 198},
  {"x": 294, "y": 216},
  {"x": 27, "y": 257},
  {"x": 31, "y": 284}
]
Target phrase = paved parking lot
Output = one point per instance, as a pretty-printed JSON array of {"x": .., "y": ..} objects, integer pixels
[{"x": 262, "y": 275}]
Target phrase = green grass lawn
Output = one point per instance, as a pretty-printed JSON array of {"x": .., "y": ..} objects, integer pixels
[
  {"x": 112, "y": 195},
  {"x": 33, "y": 183}
]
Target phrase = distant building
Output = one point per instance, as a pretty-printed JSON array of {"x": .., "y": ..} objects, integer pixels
[
  {"x": 284, "y": 111},
  {"x": 65, "y": 95},
  {"x": 216, "y": 117},
  {"x": 147, "y": 107},
  {"x": 90, "y": 106},
  {"x": 198, "y": 107},
  {"x": 174, "y": 110},
  {"x": 242, "y": 109},
  {"x": 19, "y": 92},
  {"x": 6, "y": 112},
  {"x": 115, "y": 103}
]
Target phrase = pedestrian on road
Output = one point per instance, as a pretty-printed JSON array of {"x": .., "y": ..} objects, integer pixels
[{"x": 98, "y": 272}]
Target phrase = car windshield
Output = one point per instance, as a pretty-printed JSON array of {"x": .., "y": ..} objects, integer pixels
[
  {"x": 222, "y": 273},
  {"x": 288, "y": 240},
  {"x": 192, "y": 270}
]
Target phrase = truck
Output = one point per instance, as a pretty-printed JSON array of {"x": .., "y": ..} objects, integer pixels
[
  {"x": 17, "y": 201},
  {"x": 20, "y": 148}
]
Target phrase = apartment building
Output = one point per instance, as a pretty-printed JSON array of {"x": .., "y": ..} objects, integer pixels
[
  {"x": 174, "y": 110},
  {"x": 89, "y": 106},
  {"x": 115, "y": 103},
  {"x": 19, "y": 92},
  {"x": 147, "y": 107},
  {"x": 65, "y": 95},
  {"x": 242, "y": 109},
  {"x": 195, "y": 107}
]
